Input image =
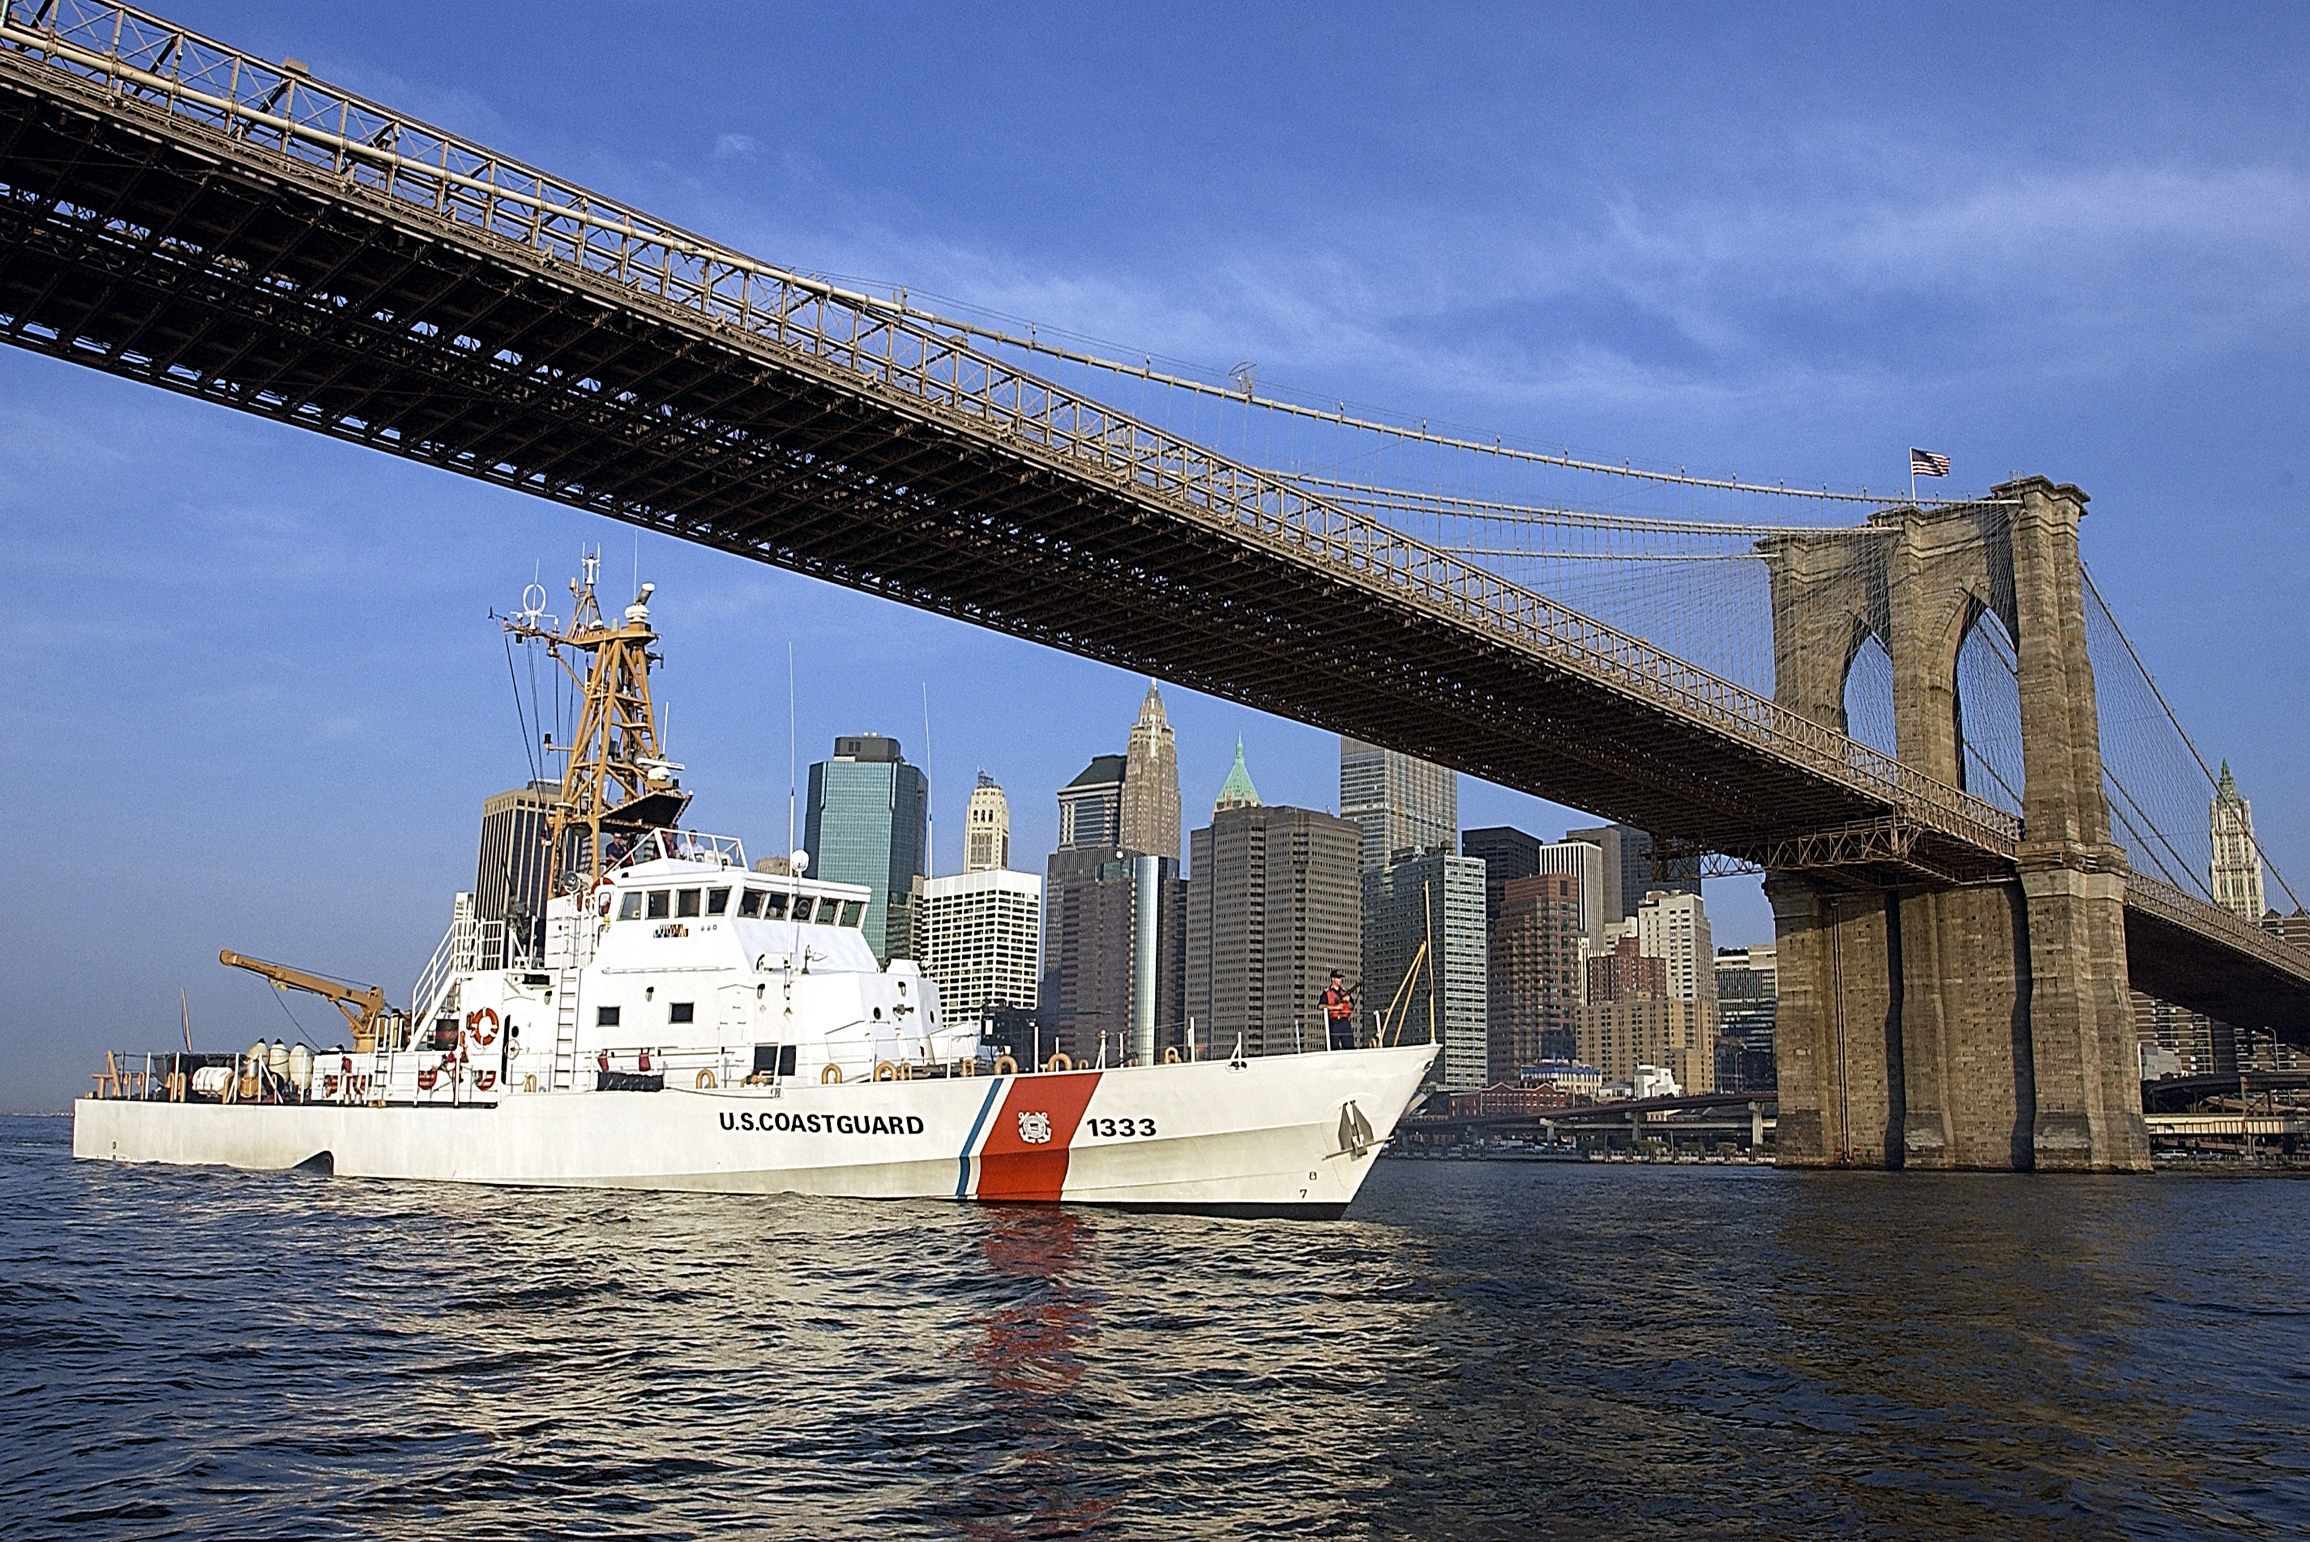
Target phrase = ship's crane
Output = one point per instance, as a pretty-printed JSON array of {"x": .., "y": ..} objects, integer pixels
[{"x": 363, "y": 1005}]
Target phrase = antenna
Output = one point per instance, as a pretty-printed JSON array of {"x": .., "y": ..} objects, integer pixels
[
  {"x": 790, "y": 744},
  {"x": 929, "y": 815}
]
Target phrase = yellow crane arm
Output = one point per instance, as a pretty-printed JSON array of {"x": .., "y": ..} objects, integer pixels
[{"x": 363, "y": 1005}]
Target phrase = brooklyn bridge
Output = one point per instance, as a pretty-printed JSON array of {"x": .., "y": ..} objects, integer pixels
[{"x": 1980, "y": 820}]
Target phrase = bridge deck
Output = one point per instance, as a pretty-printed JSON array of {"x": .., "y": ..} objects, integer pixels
[{"x": 179, "y": 213}]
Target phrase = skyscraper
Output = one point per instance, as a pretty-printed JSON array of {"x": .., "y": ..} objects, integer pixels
[
  {"x": 1091, "y": 806},
  {"x": 1149, "y": 814},
  {"x": 509, "y": 883},
  {"x": 1628, "y": 869},
  {"x": 1272, "y": 909},
  {"x": 979, "y": 935},
  {"x": 1536, "y": 960},
  {"x": 1434, "y": 900},
  {"x": 987, "y": 829},
  {"x": 2237, "y": 864},
  {"x": 1116, "y": 965},
  {"x": 1673, "y": 926},
  {"x": 1403, "y": 805},
  {"x": 1506, "y": 853},
  {"x": 1748, "y": 1009},
  {"x": 1632, "y": 1019},
  {"x": 868, "y": 823}
]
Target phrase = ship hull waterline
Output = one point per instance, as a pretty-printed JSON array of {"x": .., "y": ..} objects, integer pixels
[{"x": 1287, "y": 1136}]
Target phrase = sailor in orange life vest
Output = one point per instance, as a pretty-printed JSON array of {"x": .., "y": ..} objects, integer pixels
[{"x": 1339, "y": 1013}]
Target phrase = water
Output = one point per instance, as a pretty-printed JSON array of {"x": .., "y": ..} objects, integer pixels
[{"x": 1482, "y": 1351}]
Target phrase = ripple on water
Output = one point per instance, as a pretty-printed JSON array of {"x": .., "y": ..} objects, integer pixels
[{"x": 1480, "y": 1351}]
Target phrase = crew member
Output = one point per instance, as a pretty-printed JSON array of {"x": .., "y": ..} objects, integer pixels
[{"x": 1339, "y": 1013}]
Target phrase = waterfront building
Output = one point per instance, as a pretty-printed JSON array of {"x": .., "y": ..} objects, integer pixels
[
  {"x": 1748, "y": 1008},
  {"x": 1536, "y": 966},
  {"x": 1435, "y": 899},
  {"x": 1273, "y": 907},
  {"x": 2293, "y": 930},
  {"x": 1148, "y": 815},
  {"x": 1508, "y": 1100},
  {"x": 2236, "y": 868},
  {"x": 868, "y": 823},
  {"x": 979, "y": 935},
  {"x": 1629, "y": 871},
  {"x": 1582, "y": 1081},
  {"x": 2198, "y": 1044},
  {"x": 987, "y": 829},
  {"x": 1403, "y": 805},
  {"x": 509, "y": 882}
]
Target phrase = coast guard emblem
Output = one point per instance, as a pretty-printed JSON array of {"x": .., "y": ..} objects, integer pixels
[{"x": 1035, "y": 1129}]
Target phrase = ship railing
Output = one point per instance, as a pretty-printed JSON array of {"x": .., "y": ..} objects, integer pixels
[
  {"x": 684, "y": 846},
  {"x": 471, "y": 945}
]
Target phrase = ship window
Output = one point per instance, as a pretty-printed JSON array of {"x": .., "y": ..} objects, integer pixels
[
  {"x": 749, "y": 902},
  {"x": 802, "y": 904},
  {"x": 717, "y": 901},
  {"x": 853, "y": 912},
  {"x": 605, "y": 1017},
  {"x": 681, "y": 1012},
  {"x": 661, "y": 900},
  {"x": 773, "y": 907},
  {"x": 630, "y": 908},
  {"x": 686, "y": 902}
]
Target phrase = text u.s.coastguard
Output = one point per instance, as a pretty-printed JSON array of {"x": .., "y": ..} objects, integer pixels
[{"x": 827, "y": 1124}]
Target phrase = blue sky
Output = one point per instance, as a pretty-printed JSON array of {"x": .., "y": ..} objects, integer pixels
[{"x": 256, "y": 698}]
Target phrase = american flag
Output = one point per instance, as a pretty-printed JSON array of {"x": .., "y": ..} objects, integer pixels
[{"x": 1924, "y": 463}]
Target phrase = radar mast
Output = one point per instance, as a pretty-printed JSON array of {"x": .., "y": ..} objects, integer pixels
[{"x": 618, "y": 783}]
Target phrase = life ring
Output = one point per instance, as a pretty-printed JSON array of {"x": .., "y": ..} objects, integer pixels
[
  {"x": 427, "y": 1078},
  {"x": 1060, "y": 1061},
  {"x": 705, "y": 1078},
  {"x": 1006, "y": 1065},
  {"x": 474, "y": 1020},
  {"x": 832, "y": 1074},
  {"x": 484, "y": 1080},
  {"x": 1170, "y": 1054}
]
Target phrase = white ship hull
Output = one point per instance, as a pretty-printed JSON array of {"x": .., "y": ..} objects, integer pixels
[{"x": 1291, "y": 1135}]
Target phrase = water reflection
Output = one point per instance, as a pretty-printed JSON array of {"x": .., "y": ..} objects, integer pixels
[{"x": 1486, "y": 1351}]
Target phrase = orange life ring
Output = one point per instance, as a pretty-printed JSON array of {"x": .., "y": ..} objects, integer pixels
[{"x": 475, "y": 1018}]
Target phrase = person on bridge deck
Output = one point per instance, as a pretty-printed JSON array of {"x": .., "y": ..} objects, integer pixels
[{"x": 1339, "y": 1013}]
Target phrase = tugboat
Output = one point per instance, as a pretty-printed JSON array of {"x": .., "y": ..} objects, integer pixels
[{"x": 684, "y": 1021}]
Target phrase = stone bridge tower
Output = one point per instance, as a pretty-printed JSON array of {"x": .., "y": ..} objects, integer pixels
[{"x": 1938, "y": 1020}]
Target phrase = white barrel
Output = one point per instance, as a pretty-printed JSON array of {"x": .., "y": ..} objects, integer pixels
[
  {"x": 210, "y": 1081},
  {"x": 300, "y": 1068},
  {"x": 277, "y": 1058},
  {"x": 256, "y": 1059}
]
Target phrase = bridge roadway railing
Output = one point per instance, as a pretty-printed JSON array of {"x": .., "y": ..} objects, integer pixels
[
  {"x": 2181, "y": 908},
  {"x": 270, "y": 110}
]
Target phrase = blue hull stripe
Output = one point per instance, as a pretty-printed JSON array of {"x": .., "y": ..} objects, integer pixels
[{"x": 962, "y": 1184}]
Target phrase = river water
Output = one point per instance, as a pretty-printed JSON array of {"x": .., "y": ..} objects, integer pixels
[{"x": 1481, "y": 1350}]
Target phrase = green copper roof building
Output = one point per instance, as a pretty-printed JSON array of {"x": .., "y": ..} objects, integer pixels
[{"x": 1237, "y": 791}]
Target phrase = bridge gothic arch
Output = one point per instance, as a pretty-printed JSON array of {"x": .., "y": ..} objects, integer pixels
[{"x": 1928, "y": 1020}]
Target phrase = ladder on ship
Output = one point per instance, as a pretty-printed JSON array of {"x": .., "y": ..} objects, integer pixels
[{"x": 565, "y": 1020}]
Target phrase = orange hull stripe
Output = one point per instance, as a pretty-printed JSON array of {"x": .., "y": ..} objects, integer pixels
[{"x": 1014, "y": 1167}]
